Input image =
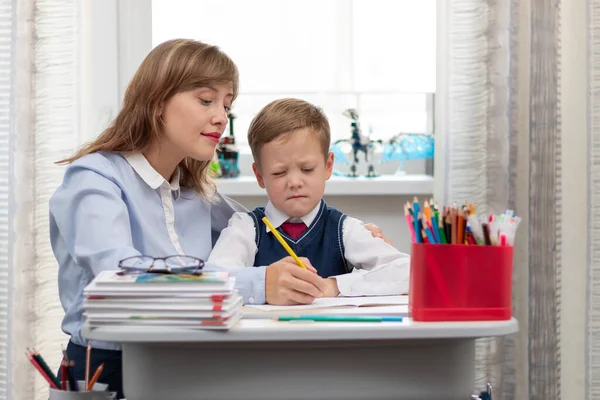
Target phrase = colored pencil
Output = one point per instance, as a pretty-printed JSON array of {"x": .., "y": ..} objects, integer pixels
[
  {"x": 435, "y": 229},
  {"x": 95, "y": 377},
  {"x": 37, "y": 366},
  {"x": 63, "y": 375},
  {"x": 409, "y": 221},
  {"x": 486, "y": 234},
  {"x": 453, "y": 222},
  {"x": 440, "y": 227},
  {"x": 459, "y": 227},
  {"x": 417, "y": 219},
  {"x": 88, "y": 356},
  {"x": 42, "y": 363}
]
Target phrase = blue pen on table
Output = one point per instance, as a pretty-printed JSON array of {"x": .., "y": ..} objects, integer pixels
[{"x": 339, "y": 318}]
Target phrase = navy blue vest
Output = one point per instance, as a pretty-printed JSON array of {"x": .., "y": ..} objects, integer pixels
[{"x": 322, "y": 242}]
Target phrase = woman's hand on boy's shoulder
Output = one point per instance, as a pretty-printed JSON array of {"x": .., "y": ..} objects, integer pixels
[{"x": 376, "y": 231}]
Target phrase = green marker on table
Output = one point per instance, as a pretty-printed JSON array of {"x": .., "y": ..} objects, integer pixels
[{"x": 339, "y": 318}]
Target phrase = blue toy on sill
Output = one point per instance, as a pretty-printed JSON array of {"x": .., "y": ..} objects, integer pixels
[
  {"x": 408, "y": 146},
  {"x": 228, "y": 154},
  {"x": 358, "y": 143}
]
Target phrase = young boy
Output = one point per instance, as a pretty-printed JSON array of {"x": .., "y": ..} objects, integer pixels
[{"x": 290, "y": 139}]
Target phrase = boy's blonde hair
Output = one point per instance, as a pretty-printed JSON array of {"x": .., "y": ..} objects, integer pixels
[
  {"x": 282, "y": 117},
  {"x": 172, "y": 67}
]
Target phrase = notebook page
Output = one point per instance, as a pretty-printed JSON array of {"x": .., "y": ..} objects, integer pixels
[{"x": 331, "y": 302}]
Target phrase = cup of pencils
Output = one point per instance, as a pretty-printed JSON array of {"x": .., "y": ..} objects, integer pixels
[
  {"x": 459, "y": 224},
  {"x": 65, "y": 387},
  {"x": 461, "y": 262}
]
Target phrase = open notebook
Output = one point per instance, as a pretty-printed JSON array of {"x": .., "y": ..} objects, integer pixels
[{"x": 373, "y": 305}]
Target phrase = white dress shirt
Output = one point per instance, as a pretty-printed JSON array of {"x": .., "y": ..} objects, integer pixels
[{"x": 379, "y": 269}]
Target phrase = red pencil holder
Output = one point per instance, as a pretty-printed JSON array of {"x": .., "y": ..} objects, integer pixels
[{"x": 460, "y": 282}]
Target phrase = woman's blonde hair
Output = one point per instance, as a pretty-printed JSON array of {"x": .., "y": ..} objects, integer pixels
[{"x": 174, "y": 66}]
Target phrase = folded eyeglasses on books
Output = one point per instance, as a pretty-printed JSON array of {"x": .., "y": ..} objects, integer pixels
[{"x": 176, "y": 264}]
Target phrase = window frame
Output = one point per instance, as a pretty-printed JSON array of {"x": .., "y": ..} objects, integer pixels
[{"x": 114, "y": 39}]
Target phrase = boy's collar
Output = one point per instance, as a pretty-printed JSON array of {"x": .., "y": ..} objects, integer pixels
[
  {"x": 148, "y": 174},
  {"x": 277, "y": 218}
]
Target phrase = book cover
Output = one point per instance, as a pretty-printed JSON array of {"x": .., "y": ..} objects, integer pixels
[{"x": 152, "y": 278}]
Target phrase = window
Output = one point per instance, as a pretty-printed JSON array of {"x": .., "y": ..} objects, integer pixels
[{"x": 377, "y": 56}]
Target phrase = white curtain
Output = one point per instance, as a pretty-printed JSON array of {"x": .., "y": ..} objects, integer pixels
[
  {"x": 593, "y": 299},
  {"x": 477, "y": 101},
  {"x": 485, "y": 162},
  {"x": 56, "y": 118},
  {"x": 6, "y": 80},
  {"x": 42, "y": 118}
]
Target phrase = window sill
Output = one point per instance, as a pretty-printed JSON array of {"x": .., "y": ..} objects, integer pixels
[{"x": 385, "y": 185}]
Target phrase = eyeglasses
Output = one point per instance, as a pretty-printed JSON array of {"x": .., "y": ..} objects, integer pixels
[{"x": 161, "y": 265}]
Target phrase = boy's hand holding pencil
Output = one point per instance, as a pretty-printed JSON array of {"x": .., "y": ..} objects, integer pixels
[{"x": 287, "y": 284}]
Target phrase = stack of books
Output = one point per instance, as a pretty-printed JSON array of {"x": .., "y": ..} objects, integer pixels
[{"x": 205, "y": 301}]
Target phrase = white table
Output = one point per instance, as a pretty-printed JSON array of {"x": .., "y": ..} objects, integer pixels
[{"x": 265, "y": 359}]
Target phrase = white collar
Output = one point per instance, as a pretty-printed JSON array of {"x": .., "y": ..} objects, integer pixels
[
  {"x": 277, "y": 218},
  {"x": 148, "y": 174}
]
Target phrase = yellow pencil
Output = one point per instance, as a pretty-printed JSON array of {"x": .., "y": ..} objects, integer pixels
[{"x": 283, "y": 243}]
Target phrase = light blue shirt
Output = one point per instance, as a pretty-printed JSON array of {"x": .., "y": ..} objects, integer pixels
[{"x": 110, "y": 207}]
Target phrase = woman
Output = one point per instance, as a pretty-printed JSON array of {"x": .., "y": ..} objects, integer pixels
[{"x": 143, "y": 188}]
